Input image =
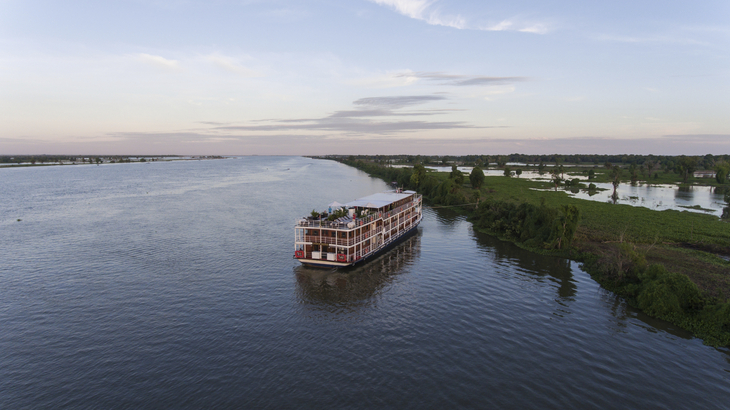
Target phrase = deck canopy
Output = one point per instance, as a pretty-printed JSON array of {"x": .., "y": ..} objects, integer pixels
[{"x": 379, "y": 200}]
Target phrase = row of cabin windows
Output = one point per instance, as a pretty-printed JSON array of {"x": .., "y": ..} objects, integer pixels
[{"x": 332, "y": 233}]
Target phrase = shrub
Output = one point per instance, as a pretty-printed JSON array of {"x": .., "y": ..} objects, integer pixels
[{"x": 667, "y": 294}]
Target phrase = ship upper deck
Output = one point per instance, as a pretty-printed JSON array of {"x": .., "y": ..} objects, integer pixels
[
  {"x": 380, "y": 205},
  {"x": 380, "y": 200}
]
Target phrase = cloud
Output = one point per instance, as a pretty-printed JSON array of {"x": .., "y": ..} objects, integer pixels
[
  {"x": 361, "y": 121},
  {"x": 462, "y": 80},
  {"x": 230, "y": 65},
  {"x": 427, "y": 11},
  {"x": 408, "y": 77},
  {"x": 422, "y": 10},
  {"x": 158, "y": 61},
  {"x": 350, "y": 126},
  {"x": 398, "y": 101}
]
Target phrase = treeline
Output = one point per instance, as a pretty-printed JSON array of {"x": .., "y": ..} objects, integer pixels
[
  {"x": 646, "y": 165},
  {"x": 91, "y": 159},
  {"x": 708, "y": 161},
  {"x": 19, "y": 159}
]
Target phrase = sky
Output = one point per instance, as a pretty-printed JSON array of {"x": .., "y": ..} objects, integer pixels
[{"x": 432, "y": 77}]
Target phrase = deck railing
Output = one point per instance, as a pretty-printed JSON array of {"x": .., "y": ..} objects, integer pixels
[
  {"x": 317, "y": 223},
  {"x": 330, "y": 240},
  {"x": 366, "y": 250}
]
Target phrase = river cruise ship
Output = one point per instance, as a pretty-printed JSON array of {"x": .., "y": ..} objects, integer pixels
[{"x": 347, "y": 234}]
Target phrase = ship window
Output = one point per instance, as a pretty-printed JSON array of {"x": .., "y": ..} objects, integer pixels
[{"x": 334, "y": 234}]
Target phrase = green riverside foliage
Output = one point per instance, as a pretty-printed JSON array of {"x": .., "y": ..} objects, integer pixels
[
  {"x": 549, "y": 221},
  {"x": 665, "y": 295},
  {"x": 535, "y": 226},
  {"x": 476, "y": 177}
]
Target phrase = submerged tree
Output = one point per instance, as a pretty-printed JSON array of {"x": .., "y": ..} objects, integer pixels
[
  {"x": 633, "y": 171},
  {"x": 615, "y": 180},
  {"x": 556, "y": 177},
  {"x": 507, "y": 171}
]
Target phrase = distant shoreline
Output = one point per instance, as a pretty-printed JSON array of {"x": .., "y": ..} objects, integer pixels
[{"x": 22, "y": 161}]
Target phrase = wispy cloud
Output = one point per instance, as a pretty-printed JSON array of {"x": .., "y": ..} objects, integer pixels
[
  {"x": 158, "y": 61},
  {"x": 424, "y": 10},
  {"x": 522, "y": 26},
  {"x": 461, "y": 79},
  {"x": 397, "y": 101},
  {"x": 407, "y": 77},
  {"x": 429, "y": 12},
  {"x": 231, "y": 65},
  {"x": 366, "y": 119},
  {"x": 351, "y": 126}
]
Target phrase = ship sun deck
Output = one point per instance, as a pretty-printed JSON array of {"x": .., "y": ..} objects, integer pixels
[{"x": 349, "y": 233}]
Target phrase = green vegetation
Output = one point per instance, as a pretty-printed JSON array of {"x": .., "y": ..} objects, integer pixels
[
  {"x": 476, "y": 178},
  {"x": 696, "y": 207},
  {"x": 665, "y": 263}
]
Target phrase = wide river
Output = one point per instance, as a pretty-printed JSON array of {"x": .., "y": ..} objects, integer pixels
[{"x": 172, "y": 285}]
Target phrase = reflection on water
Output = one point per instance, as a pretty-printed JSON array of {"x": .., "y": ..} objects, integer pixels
[
  {"x": 558, "y": 270},
  {"x": 657, "y": 197},
  {"x": 358, "y": 286}
]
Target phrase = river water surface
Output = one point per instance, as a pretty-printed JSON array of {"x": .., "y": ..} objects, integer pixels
[{"x": 172, "y": 285}]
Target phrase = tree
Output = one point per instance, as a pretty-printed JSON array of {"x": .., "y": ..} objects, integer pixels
[
  {"x": 650, "y": 165},
  {"x": 518, "y": 171},
  {"x": 722, "y": 170},
  {"x": 419, "y": 171},
  {"x": 591, "y": 174},
  {"x": 615, "y": 180},
  {"x": 476, "y": 178},
  {"x": 686, "y": 167},
  {"x": 556, "y": 177},
  {"x": 541, "y": 168},
  {"x": 567, "y": 224},
  {"x": 507, "y": 171},
  {"x": 501, "y": 161},
  {"x": 459, "y": 178},
  {"x": 633, "y": 171},
  {"x": 456, "y": 175}
]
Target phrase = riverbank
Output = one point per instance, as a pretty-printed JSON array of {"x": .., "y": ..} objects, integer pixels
[{"x": 673, "y": 265}]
